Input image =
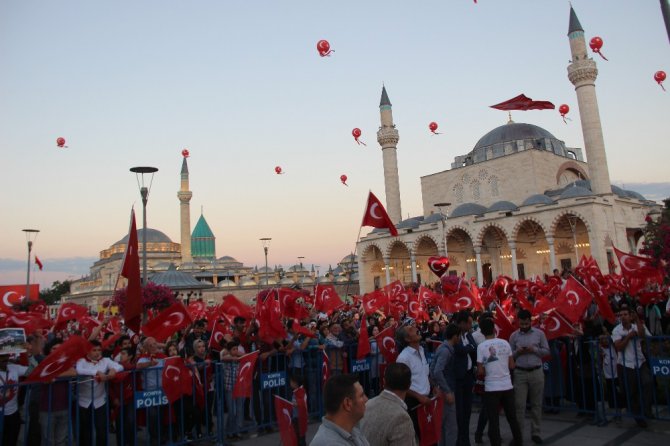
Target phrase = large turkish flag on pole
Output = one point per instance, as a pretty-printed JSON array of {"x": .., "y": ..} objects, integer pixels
[
  {"x": 132, "y": 313},
  {"x": 173, "y": 318},
  {"x": 376, "y": 216}
]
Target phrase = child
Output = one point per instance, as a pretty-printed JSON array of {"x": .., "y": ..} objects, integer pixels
[
  {"x": 609, "y": 361},
  {"x": 296, "y": 382},
  {"x": 230, "y": 356}
]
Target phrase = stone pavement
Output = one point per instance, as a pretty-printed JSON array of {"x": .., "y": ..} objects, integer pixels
[{"x": 567, "y": 430}]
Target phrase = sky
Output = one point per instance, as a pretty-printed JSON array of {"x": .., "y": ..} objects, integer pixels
[{"x": 241, "y": 85}]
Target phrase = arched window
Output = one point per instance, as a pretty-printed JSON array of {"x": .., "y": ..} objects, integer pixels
[
  {"x": 493, "y": 183},
  {"x": 474, "y": 188},
  {"x": 458, "y": 193}
]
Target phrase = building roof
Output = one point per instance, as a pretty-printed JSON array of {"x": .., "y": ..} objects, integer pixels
[
  {"x": 153, "y": 236},
  {"x": 435, "y": 217},
  {"x": 227, "y": 259},
  {"x": 502, "y": 206},
  {"x": 574, "y": 22},
  {"x": 385, "y": 98},
  {"x": 512, "y": 131},
  {"x": 467, "y": 209},
  {"x": 203, "y": 242},
  {"x": 177, "y": 280},
  {"x": 184, "y": 167},
  {"x": 537, "y": 199},
  {"x": 410, "y": 223},
  {"x": 574, "y": 192},
  {"x": 202, "y": 229}
]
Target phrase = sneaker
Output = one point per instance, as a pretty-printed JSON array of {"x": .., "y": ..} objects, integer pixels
[{"x": 536, "y": 439}]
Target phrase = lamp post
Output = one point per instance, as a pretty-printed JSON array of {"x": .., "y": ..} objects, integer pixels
[
  {"x": 31, "y": 235},
  {"x": 265, "y": 241},
  {"x": 443, "y": 216},
  {"x": 572, "y": 220},
  {"x": 144, "y": 192}
]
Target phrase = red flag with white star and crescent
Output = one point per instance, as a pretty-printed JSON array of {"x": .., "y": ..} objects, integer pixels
[{"x": 376, "y": 216}]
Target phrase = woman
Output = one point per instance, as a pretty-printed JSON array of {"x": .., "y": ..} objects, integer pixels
[{"x": 206, "y": 372}]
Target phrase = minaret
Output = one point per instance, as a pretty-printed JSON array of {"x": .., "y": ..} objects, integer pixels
[
  {"x": 387, "y": 136},
  {"x": 582, "y": 72},
  {"x": 184, "y": 196}
]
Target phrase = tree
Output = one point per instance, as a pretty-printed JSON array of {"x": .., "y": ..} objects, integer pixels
[
  {"x": 657, "y": 239},
  {"x": 53, "y": 295}
]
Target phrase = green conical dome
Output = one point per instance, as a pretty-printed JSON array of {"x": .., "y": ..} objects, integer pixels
[{"x": 202, "y": 240}]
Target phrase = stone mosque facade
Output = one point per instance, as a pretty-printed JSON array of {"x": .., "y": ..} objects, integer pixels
[{"x": 521, "y": 203}]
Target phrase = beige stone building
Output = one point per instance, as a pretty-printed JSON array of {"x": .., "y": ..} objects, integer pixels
[{"x": 520, "y": 203}]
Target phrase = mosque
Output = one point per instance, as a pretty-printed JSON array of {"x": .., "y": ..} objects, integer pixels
[
  {"x": 520, "y": 203},
  {"x": 192, "y": 270}
]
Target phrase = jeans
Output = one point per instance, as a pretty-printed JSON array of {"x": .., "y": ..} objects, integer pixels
[
  {"x": 235, "y": 413},
  {"x": 492, "y": 401},
  {"x": 463, "y": 394},
  {"x": 529, "y": 385},
  {"x": 450, "y": 432},
  {"x": 55, "y": 427}
]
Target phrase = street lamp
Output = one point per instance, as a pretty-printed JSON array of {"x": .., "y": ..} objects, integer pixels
[
  {"x": 572, "y": 220},
  {"x": 144, "y": 192},
  {"x": 31, "y": 235},
  {"x": 443, "y": 216},
  {"x": 265, "y": 241}
]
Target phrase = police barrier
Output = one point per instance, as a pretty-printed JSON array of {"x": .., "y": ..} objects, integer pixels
[{"x": 582, "y": 375}]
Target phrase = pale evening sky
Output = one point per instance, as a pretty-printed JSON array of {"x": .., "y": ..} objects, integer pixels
[{"x": 240, "y": 84}]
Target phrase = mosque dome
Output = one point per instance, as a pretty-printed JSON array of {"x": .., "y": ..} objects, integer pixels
[
  {"x": 410, "y": 223},
  {"x": 503, "y": 206},
  {"x": 153, "y": 236},
  {"x": 512, "y": 131},
  {"x": 574, "y": 192},
  {"x": 432, "y": 218},
  {"x": 227, "y": 259},
  {"x": 226, "y": 283},
  {"x": 467, "y": 209},
  {"x": 537, "y": 199}
]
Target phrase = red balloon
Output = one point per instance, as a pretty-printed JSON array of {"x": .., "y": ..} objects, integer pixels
[
  {"x": 323, "y": 47},
  {"x": 278, "y": 170},
  {"x": 185, "y": 153},
  {"x": 343, "y": 179},
  {"x": 433, "y": 126},
  {"x": 659, "y": 77},
  {"x": 563, "y": 109},
  {"x": 60, "y": 142},
  {"x": 438, "y": 265},
  {"x": 357, "y": 134},
  {"x": 595, "y": 44}
]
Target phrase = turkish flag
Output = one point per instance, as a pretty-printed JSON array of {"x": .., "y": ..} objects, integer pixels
[
  {"x": 284, "y": 412},
  {"x": 325, "y": 367},
  {"x": 132, "y": 313},
  {"x": 638, "y": 271},
  {"x": 376, "y": 216},
  {"x": 542, "y": 305},
  {"x": 522, "y": 102},
  {"x": 87, "y": 324},
  {"x": 387, "y": 345},
  {"x": 110, "y": 341},
  {"x": 168, "y": 321},
  {"x": 38, "y": 263},
  {"x": 232, "y": 306},
  {"x": 14, "y": 294},
  {"x": 301, "y": 404},
  {"x": 269, "y": 316},
  {"x": 394, "y": 289},
  {"x": 290, "y": 307},
  {"x": 220, "y": 330},
  {"x": 376, "y": 300},
  {"x": 600, "y": 296},
  {"x": 430, "y": 422},
  {"x": 415, "y": 310},
  {"x": 573, "y": 300},
  {"x": 29, "y": 321},
  {"x": 177, "y": 381},
  {"x": 197, "y": 310},
  {"x": 503, "y": 325},
  {"x": 429, "y": 298},
  {"x": 326, "y": 298},
  {"x": 555, "y": 326},
  {"x": 245, "y": 371},
  {"x": 363, "y": 348},
  {"x": 60, "y": 360},
  {"x": 302, "y": 330},
  {"x": 68, "y": 312}
]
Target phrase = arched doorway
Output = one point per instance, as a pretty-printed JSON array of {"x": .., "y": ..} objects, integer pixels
[
  {"x": 571, "y": 241},
  {"x": 461, "y": 253},
  {"x": 532, "y": 250},
  {"x": 371, "y": 273},
  {"x": 496, "y": 251},
  {"x": 425, "y": 248},
  {"x": 399, "y": 263}
]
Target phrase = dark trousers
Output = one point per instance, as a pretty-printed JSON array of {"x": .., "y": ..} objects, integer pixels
[
  {"x": 463, "y": 395},
  {"x": 482, "y": 420},
  {"x": 412, "y": 404},
  {"x": 93, "y": 421},
  {"x": 492, "y": 401},
  {"x": 638, "y": 388},
  {"x": 11, "y": 425},
  {"x": 125, "y": 425}
]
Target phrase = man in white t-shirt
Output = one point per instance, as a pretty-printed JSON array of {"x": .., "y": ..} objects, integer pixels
[
  {"x": 494, "y": 361},
  {"x": 627, "y": 337},
  {"x": 9, "y": 406}
]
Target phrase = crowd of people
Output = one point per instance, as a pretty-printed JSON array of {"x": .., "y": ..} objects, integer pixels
[{"x": 446, "y": 357}]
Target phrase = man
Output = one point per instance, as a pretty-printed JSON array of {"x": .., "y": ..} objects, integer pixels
[
  {"x": 627, "y": 337},
  {"x": 414, "y": 357},
  {"x": 386, "y": 421},
  {"x": 9, "y": 405},
  {"x": 465, "y": 361},
  {"x": 92, "y": 394},
  {"x": 151, "y": 365},
  {"x": 443, "y": 373},
  {"x": 482, "y": 420},
  {"x": 344, "y": 401},
  {"x": 494, "y": 361},
  {"x": 529, "y": 345}
]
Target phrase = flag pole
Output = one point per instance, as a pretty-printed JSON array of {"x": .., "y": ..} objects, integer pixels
[{"x": 358, "y": 237}]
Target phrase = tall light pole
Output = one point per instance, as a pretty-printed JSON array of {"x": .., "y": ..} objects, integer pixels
[
  {"x": 265, "y": 241},
  {"x": 31, "y": 235},
  {"x": 144, "y": 192},
  {"x": 443, "y": 216},
  {"x": 572, "y": 220}
]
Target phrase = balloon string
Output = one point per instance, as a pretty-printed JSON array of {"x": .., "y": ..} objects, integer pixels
[
  {"x": 361, "y": 142},
  {"x": 326, "y": 54},
  {"x": 564, "y": 120},
  {"x": 437, "y": 133},
  {"x": 601, "y": 55},
  {"x": 661, "y": 84}
]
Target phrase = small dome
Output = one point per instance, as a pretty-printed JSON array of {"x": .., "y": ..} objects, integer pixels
[
  {"x": 248, "y": 282},
  {"x": 432, "y": 218},
  {"x": 153, "y": 236},
  {"x": 537, "y": 199},
  {"x": 410, "y": 223},
  {"x": 351, "y": 258},
  {"x": 307, "y": 280},
  {"x": 503, "y": 206},
  {"x": 341, "y": 279},
  {"x": 227, "y": 283},
  {"x": 264, "y": 269},
  {"x": 297, "y": 268},
  {"x": 286, "y": 281},
  {"x": 268, "y": 281},
  {"x": 227, "y": 259},
  {"x": 188, "y": 266},
  {"x": 468, "y": 209},
  {"x": 574, "y": 192},
  {"x": 633, "y": 194}
]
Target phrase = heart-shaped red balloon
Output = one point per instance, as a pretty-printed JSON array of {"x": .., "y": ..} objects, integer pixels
[{"x": 438, "y": 265}]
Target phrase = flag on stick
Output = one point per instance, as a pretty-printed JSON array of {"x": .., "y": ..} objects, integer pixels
[
  {"x": 132, "y": 313},
  {"x": 376, "y": 216}
]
